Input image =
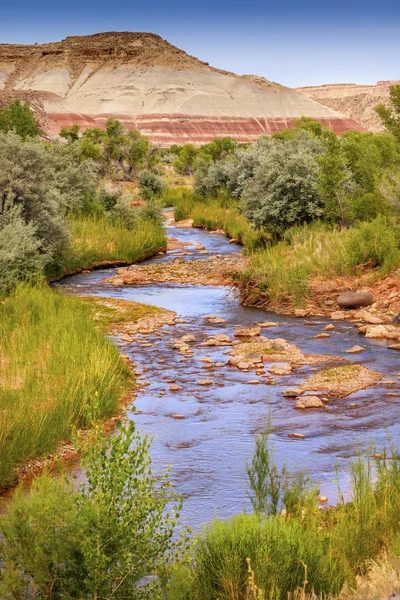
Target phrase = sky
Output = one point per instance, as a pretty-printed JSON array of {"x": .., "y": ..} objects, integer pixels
[{"x": 293, "y": 42}]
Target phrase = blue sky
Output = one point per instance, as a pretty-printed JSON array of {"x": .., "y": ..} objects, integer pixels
[{"x": 294, "y": 42}]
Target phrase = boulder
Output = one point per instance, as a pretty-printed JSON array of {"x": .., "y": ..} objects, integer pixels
[
  {"x": 187, "y": 339},
  {"x": 354, "y": 299},
  {"x": 300, "y": 312}
]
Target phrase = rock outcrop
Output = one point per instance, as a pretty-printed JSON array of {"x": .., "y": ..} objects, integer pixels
[
  {"x": 152, "y": 86},
  {"x": 355, "y": 101}
]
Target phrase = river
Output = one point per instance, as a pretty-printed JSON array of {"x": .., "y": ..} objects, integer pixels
[{"x": 208, "y": 448}]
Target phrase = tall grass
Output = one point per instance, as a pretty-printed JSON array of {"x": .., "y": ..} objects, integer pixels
[
  {"x": 282, "y": 272},
  {"x": 95, "y": 240},
  {"x": 55, "y": 364}
]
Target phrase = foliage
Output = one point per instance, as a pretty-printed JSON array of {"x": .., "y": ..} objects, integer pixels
[
  {"x": 21, "y": 255},
  {"x": 55, "y": 363},
  {"x": 150, "y": 185},
  {"x": 390, "y": 115},
  {"x": 284, "y": 189},
  {"x": 17, "y": 117},
  {"x": 376, "y": 243},
  {"x": 111, "y": 538},
  {"x": 186, "y": 162}
]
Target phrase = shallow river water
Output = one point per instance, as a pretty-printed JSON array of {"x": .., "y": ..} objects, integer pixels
[{"x": 209, "y": 447}]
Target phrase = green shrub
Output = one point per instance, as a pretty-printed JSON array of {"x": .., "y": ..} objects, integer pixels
[
  {"x": 111, "y": 538},
  {"x": 150, "y": 185},
  {"x": 375, "y": 243}
]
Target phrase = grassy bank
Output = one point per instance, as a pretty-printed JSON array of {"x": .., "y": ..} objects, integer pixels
[
  {"x": 95, "y": 240},
  {"x": 56, "y": 366},
  {"x": 280, "y": 274}
]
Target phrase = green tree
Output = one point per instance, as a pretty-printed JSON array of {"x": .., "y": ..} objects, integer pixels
[
  {"x": 336, "y": 181},
  {"x": 284, "y": 188},
  {"x": 71, "y": 134},
  {"x": 17, "y": 116},
  {"x": 218, "y": 149},
  {"x": 390, "y": 115},
  {"x": 112, "y": 538},
  {"x": 138, "y": 148},
  {"x": 186, "y": 163}
]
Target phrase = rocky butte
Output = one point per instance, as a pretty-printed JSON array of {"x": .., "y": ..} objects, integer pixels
[{"x": 152, "y": 86}]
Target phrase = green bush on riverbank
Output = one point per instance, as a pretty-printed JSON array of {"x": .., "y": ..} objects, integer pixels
[{"x": 55, "y": 364}]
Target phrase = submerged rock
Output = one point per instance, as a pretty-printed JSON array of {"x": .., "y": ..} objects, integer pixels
[{"x": 292, "y": 392}]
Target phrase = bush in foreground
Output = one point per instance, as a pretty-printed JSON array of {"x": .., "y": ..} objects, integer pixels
[{"x": 112, "y": 538}]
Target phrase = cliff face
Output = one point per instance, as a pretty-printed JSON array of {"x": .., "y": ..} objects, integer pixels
[
  {"x": 357, "y": 102},
  {"x": 149, "y": 85}
]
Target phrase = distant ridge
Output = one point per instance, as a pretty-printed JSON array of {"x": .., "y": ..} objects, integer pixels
[
  {"x": 150, "y": 85},
  {"x": 355, "y": 101}
]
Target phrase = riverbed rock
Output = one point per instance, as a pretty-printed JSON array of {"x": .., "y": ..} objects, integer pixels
[
  {"x": 329, "y": 327},
  {"x": 253, "y": 382},
  {"x": 174, "y": 387},
  {"x": 300, "y": 312},
  {"x": 309, "y": 402},
  {"x": 355, "y": 349},
  {"x": 206, "y": 359},
  {"x": 247, "y": 331},
  {"x": 296, "y": 436},
  {"x": 184, "y": 224},
  {"x": 378, "y": 332},
  {"x": 367, "y": 317},
  {"x": 394, "y": 347},
  {"x": 177, "y": 416},
  {"x": 268, "y": 324},
  {"x": 341, "y": 381},
  {"x": 280, "y": 369},
  {"x": 204, "y": 382},
  {"x": 354, "y": 299},
  {"x": 187, "y": 339},
  {"x": 338, "y": 315},
  {"x": 292, "y": 392},
  {"x": 322, "y": 335}
]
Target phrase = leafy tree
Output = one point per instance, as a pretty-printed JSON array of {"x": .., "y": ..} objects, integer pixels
[
  {"x": 186, "y": 163},
  {"x": 112, "y": 538},
  {"x": 71, "y": 134},
  {"x": 218, "y": 149},
  {"x": 27, "y": 180},
  {"x": 113, "y": 141},
  {"x": 17, "y": 117},
  {"x": 137, "y": 150},
  {"x": 284, "y": 189},
  {"x": 336, "y": 181},
  {"x": 390, "y": 116}
]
